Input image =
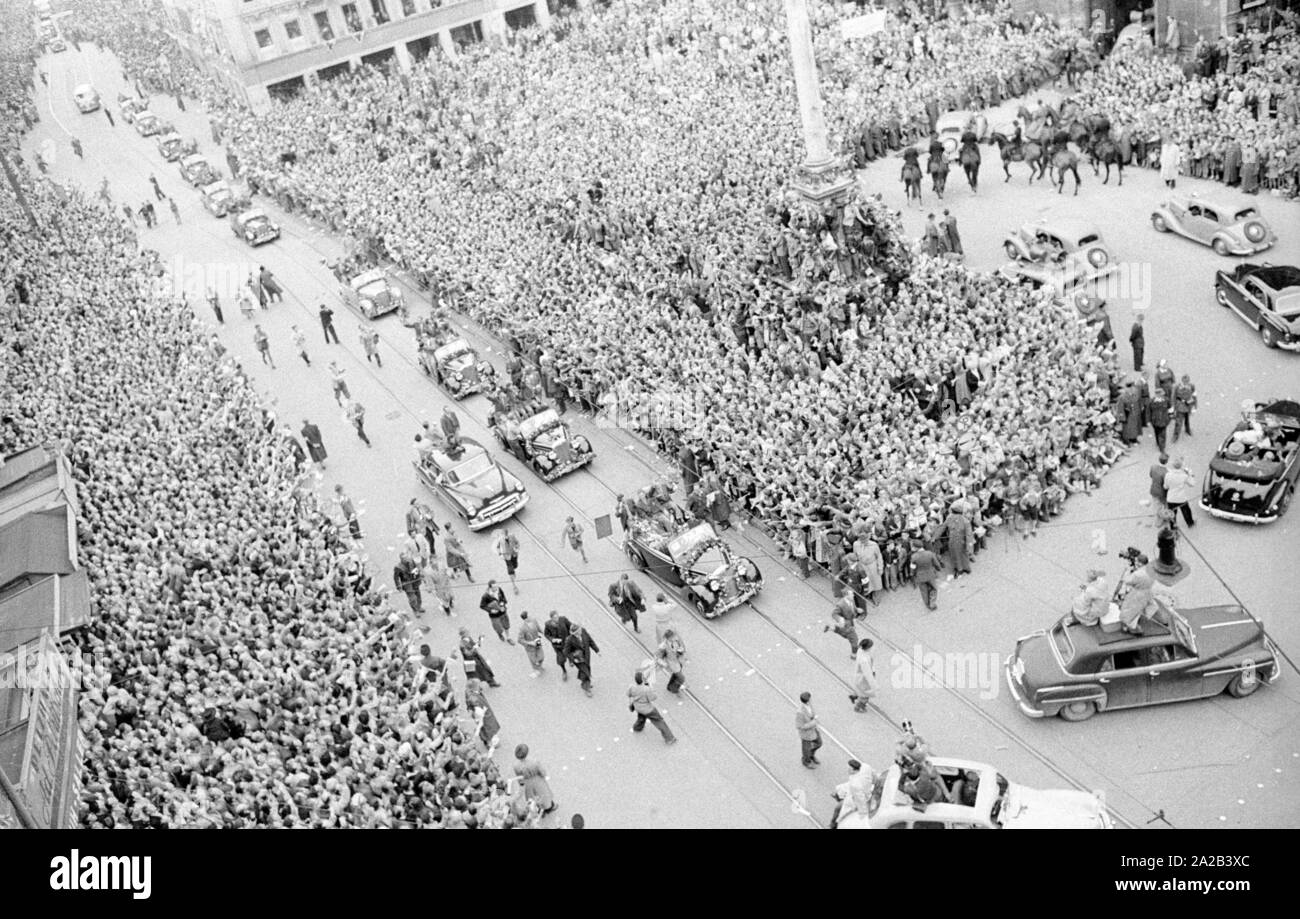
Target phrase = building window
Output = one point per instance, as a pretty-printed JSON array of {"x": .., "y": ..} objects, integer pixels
[
  {"x": 351, "y": 17},
  {"x": 323, "y": 25},
  {"x": 521, "y": 18},
  {"x": 292, "y": 29},
  {"x": 467, "y": 34},
  {"x": 380, "y": 9},
  {"x": 263, "y": 37},
  {"x": 408, "y": 7}
]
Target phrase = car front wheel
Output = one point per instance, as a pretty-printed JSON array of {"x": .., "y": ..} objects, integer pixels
[
  {"x": 1012, "y": 252},
  {"x": 1079, "y": 711},
  {"x": 1220, "y": 247},
  {"x": 1221, "y": 296},
  {"x": 1267, "y": 335},
  {"x": 638, "y": 560},
  {"x": 1159, "y": 223},
  {"x": 1239, "y": 688}
]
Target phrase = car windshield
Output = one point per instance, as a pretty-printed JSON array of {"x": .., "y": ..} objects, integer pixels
[
  {"x": 1089, "y": 240},
  {"x": 1065, "y": 647},
  {"x": 472, "y": 468},
  {"x": 373, "y": 289},
  {"x": 1287, "y": 304}
]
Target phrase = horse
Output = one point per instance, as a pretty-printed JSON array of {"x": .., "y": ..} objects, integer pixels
[
  {"x": 1105, "y": 151},
  {"x": 911, "y": 175},
  {"x": 969, "y": 156},
  {"x": 1064, "y": 159},
  {"x": 937, "y": 166},
  {"x": 1031, "y": 152}
]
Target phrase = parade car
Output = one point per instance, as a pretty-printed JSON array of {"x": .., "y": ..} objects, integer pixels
[
  {"x": 173, "y": 147},
  {"x": 1075, "y": 670},
  {"x": 254, "y": 227},
  {"x": 546, "y": 445},
  {"x": 458, "y": 369},
  {"x": 952, "y": 125},
  {"x": 57, "y": 44},
  {"x": 86, "y": 97},
  {"x": 999, "y": 804},
  {"x": 219, "y": 199},
  {"x": 148, "y": 124},
  {"x": 372, "y": 293},
  {"x": 131, "y": 107},
  {"x": 1267, "y": 297},
  {"x": 1253, "y": 476},
  {"x": 692, "y": 557},
  {"x": 196, "y": 170},
  {"x": 1229, "y": 228},
  {"x": 472, "y": 483},
  {"x": 1062, "y": 253}
]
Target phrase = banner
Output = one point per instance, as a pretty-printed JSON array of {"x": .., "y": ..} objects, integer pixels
[{"x": 862, "y": 26}]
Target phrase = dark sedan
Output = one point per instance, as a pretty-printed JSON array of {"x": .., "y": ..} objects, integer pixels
[{"x": 1267, "y": 298}]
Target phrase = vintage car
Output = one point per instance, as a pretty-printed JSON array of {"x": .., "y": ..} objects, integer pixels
[
  {"x": 219, "y": 199},
  {"x": 1229, "y": 228},
  {"x": 999, "y": 805},
  {"x": 1075, "y": 671},
  {"x": 691, "y": 556},
  {"x": 173, "y": 147},
  {"x": 86, "y": 97},
  {"x": 952, "y": 125},
  {"x": 372, "y": 293},
  {"x": 1061, "y": 253},
  {"x": 196, "y": 170},
  {"x": 147, "y": 124},
  {"x": 57, "y": 44},
  {"x": 254, "y": 227},
  {"x": 130, "y": 107},
  {"x": 472, "y": 483},
  {"x": 545, "y": 443},
  {"x": 1252, "y": 477},
  {"x": 458, "y": 369},
  {"x": 1267, "y": 297}
]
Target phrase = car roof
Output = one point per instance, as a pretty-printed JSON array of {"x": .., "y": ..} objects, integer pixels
[
  {"x": 367, "y": 277},
  {"x": 1278, "y": 277},
  {"x": 214, "y": 187},
  {"x": 1072, "y": 228},
  {"x": 252, "y": 213},
  {"x": 193, "y": 158},
  {"x": 1223, "y": 205}
]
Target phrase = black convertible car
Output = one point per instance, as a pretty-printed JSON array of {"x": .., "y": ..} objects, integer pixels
[
  {"x": 1253, "y": 475},
  {"x": 545, "y": 443},
  {"x": 713, "y": 578},
  {"x": 1267, "y": 298}
]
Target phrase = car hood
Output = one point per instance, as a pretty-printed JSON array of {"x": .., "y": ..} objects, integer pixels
[
  {"x": 486, "y": 485},
  {"x": 551, "y": 437},
  {"x": 1031, "y": 809},
  {"x": 374, "y": 290}
]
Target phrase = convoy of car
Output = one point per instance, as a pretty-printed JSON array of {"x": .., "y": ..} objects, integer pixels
[
  {"x": 1228, "y": 227},
  {"x": 372, "y": 293},
  {"x": 472, "y": 484},
  {"x": 1256, "y": 470}
]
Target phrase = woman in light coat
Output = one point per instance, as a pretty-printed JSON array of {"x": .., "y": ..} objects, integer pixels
[
  {"x": 1171, "y": 158},
  {"x": 864, "y": 676},
  {"x": 533, "y": 776}
]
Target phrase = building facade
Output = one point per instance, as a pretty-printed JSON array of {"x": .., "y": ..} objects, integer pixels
[
  {"x": 1208, "y": 19},
  {"x": 260, "y": 49}
]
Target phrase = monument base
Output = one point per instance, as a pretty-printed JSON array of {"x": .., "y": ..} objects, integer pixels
[{"x": 828, "y": 180}]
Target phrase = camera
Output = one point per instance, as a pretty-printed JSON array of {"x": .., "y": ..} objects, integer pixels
[{"x": 1130, "y": 555}]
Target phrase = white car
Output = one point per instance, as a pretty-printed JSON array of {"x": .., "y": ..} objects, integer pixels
[
  {"x": 86, "y": 97},
  {"x": 999, "y": 804},
  {"x": 1058, "y": 252}
]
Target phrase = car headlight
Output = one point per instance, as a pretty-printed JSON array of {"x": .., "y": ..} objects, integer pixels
[
  {"x": 1255, "y": 232},
  {"x": 456, "y": 375},
  {"x": 715, "y": 585},
  {"x": 367, "y": 304}
]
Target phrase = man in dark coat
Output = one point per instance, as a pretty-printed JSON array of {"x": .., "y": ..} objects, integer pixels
[
  {"x": 626, "y": 598},
  {"x": 270, "y": 285},
  {"x": 1157, "y": 472},
  {"x": 690, "y": 468},
  {"x": 925, "y": 571},
  {"x": 578, "y": 648},
  {"x": 493, "y": 602},
  {"x": 406, "y": 577},
  {"x": 1159, "y": 415},
  {"x": 556, "y": 631},
  {"x": 315, "y": 446},
  {"x": 1137, "y": 339}
]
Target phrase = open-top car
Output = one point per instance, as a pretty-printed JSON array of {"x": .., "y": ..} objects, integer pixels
[
  {"x": 86, "y": 97},
  {"x": 254, "y": 226},
  {"x": 1267, "y": 297},
  {"x": 691, "y": 556},
  {"x": 1228, "y": 227},
  {"x": 173, "y": 147},
  {"x": 544, "y": 442},
  {"x": 147, "y": 124},
  {"x": 472, "y": 483},
  {"x": 57, "y": 44},
  {"x": 1253, "y": 476},
  {"x": 130, "y": 107},
  {"x": 196, "y": 170},
  {"x": 1074, "y": 670},
  {"x": 372, "y": 293},
  {"x": 219, "y": 199},
  {"x": 1059, "y": 252},
  {"x": 458, "y": 369},
  {"x": 997, "y": 803}
]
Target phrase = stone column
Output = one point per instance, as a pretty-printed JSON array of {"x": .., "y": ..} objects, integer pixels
[{"x": 820, "y": 176}]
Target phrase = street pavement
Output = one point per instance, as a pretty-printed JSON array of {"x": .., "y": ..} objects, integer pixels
[{"x": 1215, "y": 762}]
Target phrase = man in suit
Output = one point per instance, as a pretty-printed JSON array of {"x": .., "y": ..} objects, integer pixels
[
  {"x": 493, "y": 602},
  {"x": 806, "y": 723},
  {"x": 556, "y": 631},
  {"x": 1137, "y": 339},
  {"x": 627, "y": 600},
  {"x": 925, "y": 571},
  {"x": 1184, "y": 403},
  {"x": 578, "y": 648},
  {"x": 406, "y": 577},
  {"x": 1157, "y": 473}
]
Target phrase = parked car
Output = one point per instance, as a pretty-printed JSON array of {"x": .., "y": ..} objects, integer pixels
[
  {"x": 173, "y": 147},
  {"x": 86, "y": 97},
  {"x": 1060, "y": 252},
  {"x": 196, "y": 170},
  {"x": 473, "y": 484},
  {"x": 691, "y": 556},
  {"x": 254, "y": 227},
  {"x": 1228, "y": 227},
  {"x": 458, "y": 369},
  {"x": 545, "y": 443},
  {"x": 131, "y": 107},
  {"x": 372, "y": 293},
  {"x": 1075, "y": 671},
  {"x": 147, "y": 124},
  {"x": 1267, "y": 297},
  {"x": 1253, "y": 476},
  {"x": 999, "y": 804}
]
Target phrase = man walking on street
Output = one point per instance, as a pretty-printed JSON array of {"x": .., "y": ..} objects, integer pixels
[
  {"x": 578, "y": 648},
  {"x": 300, "y": 342},
  {"x": 370, "y": 342},
  {"x": 356, "y": 413},
  {"x": 507, "y": 546},
  {"x": 157, "y": 191},
  {"x": 215, "y": 301},
  {"x": 263, "y": 345},
  {"x": 493, "y": 602},
  {"x": 327, "y": 324},
  {"x": 1184, "y": 405},
  {"x": 1137, "y": 340},
  {"x": 925, "y": 571},
  {"x": 109, "y": 116},
  {"x": 556, "y": 631},
  {"x": 531, "y": 640},
  {"x": 315, "y": 446},
  {"x": 1180, "y": 488},
  {"x": 272, "y": 287},
  {"x": 450, "y": 423},
  {"x": 810, "y": 738},
  {"x": 1159, "y": 469},
  {"x": 349, "y": 510},
  {"x": 1158, "y": 414},
  {"x": 406, "y": 577},
  {"x": 642, "y": 702},
  {"x": 573, "y": 534},
  {"x": 340, "y": 385},
  {"x": 627, "y": 600},
  {"x": 176, "y": 211}
]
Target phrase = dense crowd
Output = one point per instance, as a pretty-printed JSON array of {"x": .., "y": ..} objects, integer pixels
[
  {"x": 244, "y": 669},
  {"x": 1233, "y": 111}
]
